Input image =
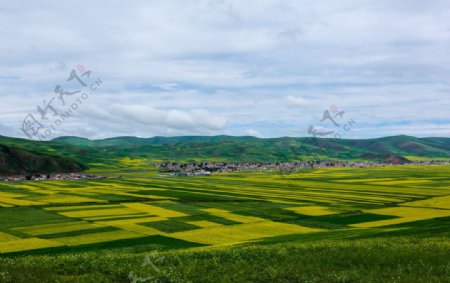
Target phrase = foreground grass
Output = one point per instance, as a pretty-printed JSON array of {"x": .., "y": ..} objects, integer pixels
[
  {"x": 367, "y": 260},
  {"x": 323, "y": 225}
]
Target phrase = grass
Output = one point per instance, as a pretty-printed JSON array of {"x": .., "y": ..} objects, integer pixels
[
  {"x": 323, "y": 225},
  {"x": 373, "y": 260}
]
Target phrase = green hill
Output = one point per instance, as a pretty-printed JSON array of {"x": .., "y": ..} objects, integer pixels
[
  {"x": 275, "y": 149},
  {"x": 107, "y": 153},
  {"x": 20, "y": 161}
]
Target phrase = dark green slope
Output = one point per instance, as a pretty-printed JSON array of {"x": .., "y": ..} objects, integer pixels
[
  {"x": 274, "y": 149},
  {"x": 403, "y": 145},
  {"x": 82, "y": 154},
  {"x": 135, "y": 141},
  {"x": 20, "y": 161}
]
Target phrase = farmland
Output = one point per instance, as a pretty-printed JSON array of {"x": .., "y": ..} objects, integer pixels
[{"x": 230, "y": 216}]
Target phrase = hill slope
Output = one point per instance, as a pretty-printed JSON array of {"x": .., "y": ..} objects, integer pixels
[
  {"x": 256, "y": 149},
  {"x": 107, "y": 153},
  {"x": 20, "y": 161}
]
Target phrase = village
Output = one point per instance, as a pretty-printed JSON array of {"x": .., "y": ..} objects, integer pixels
[
  {"x": 175, "y": 169},
  {"x": 48, "y": 177},
  {"x": 206, "y": 168}
]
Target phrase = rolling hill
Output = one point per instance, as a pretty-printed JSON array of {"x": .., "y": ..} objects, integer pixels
[
  {"x": 21, "y": 155},
  {"x": 276, "y": 149},
  {"x": 20, "y": 161}
]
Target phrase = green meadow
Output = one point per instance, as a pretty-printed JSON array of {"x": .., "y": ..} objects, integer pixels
[{"x": 386, "y": 224}]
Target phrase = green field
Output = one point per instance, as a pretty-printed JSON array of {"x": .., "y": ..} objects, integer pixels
[{"x": 324, "y": 225}]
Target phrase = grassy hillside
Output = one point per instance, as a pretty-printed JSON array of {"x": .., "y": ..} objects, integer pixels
[
  {"x": 109, "y": 153},
  {"x": 276, "y": 149},
  {"x": 20, "y": 161},
  {"x": 82, "y": 154}
]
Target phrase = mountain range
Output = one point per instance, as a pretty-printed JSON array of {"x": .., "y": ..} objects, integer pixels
[{"x": 74, "y": 153}]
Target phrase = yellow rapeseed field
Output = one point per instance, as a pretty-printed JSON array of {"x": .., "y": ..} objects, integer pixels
[
  {"x": 27, "y": 244},
  {"x": 144, "y": 230},
  {"x": 233, "y": 217},
  {"x": 154, "y": 210},
  {"x": 61, "y": 199},
  {"x": 11, "y": 195},
  {"x": 204, "y": 224},
  {"x": 80, "y": 207},
  {"x": 98, "y": 237},
  {"x": 131, "y": 221},
  {"x": 47, "y": 229},
  {"x": 6, "y": 205},
  {"x": 313, "y": 210},
  {"x": 404, "y": 214},
  {"x": 240, "y": 233},
  {"x": 436, "y": 202},
  {"x": 405, "y": 182},
  {"x": 4, "y": 237},
  {"x": 124, "y": 208},
  {"x": 99, "y": 212},
  {"x": 20, "y": 202}
]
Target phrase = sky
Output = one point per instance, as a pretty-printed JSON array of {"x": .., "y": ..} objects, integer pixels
[{"x": 265, "y": 68}]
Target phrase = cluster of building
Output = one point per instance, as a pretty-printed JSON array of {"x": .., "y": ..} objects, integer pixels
[
  {"x": 205, "y": 168},
  {"x": 46, "y": 177},
  {"x": 175, "y": 169},
  {"x": 187, "y": 174},
  {"x": 431, "y": 162}
]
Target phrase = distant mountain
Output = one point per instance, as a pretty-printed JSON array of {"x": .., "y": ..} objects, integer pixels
[
  {"x": 386, "y": 158},
  {"x": 276, "y": 149},
  {"x": 108, "y": 153},
  {"x": 14, "y": 161},
  {"x": 135, "y": 141}
]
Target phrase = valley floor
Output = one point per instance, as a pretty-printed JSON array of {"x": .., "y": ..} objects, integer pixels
[{"x": 323, "y": 225}]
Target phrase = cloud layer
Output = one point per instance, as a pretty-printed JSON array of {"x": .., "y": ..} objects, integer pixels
[{"x": 265, "y": 68}]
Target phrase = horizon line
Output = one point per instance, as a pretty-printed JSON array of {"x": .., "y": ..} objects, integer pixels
[{"x": 212, "y": 136}]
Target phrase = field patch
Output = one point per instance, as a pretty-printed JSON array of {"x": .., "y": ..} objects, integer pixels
[
  {"x": 436, "y": 202},
  {"x": 223, "y": 209},
  {"x": 19, "y": 202},
  {"x": 312, "y": 210},
  {"x": 154, "y": 210},
  {"x": 240, "y": 233},
  {"x": 170, "y": 226},
  {"x": 38, "y": 230},
  {"x": 98, "y": 237},
  {"x": 99, "y": 212},
  {"x": 204, "y": 224},
  {"x": 4, "y": 237},
  {"x": 62, "y": 199},
  {"x": 27, "y": 244},
  {"x": 231, "y": 216},
  {"x": 15, "y": 217},
  {"x": 403, "y": 214}
]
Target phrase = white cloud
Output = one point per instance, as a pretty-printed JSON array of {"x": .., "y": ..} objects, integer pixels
[
  {"x": 253, "y": 133},
  {"x": 223, "y": 66},
  {"x": 122, "y": 119},
  {"x": 296, "y": 101}
]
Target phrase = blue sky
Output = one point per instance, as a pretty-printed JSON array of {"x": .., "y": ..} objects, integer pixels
[{"x": 265, "y": 68}]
